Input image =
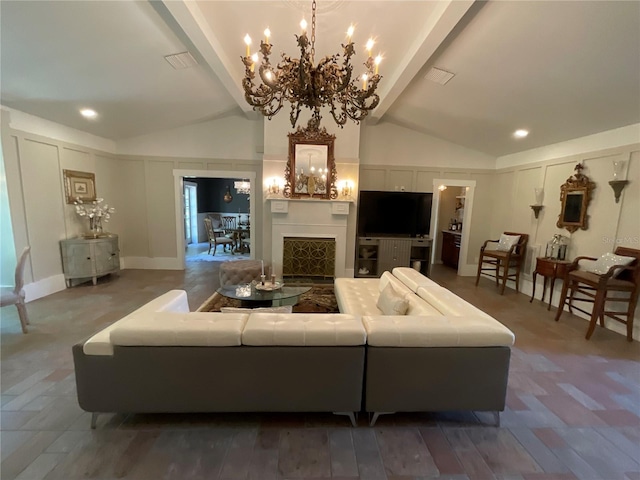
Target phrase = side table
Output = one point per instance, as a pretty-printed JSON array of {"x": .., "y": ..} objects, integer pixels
[{"x": 549, "y": 268}]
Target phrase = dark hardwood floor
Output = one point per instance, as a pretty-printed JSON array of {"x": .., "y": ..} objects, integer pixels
[{"x": 573, "y": 406}]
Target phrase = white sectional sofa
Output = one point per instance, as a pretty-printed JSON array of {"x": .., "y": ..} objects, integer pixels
[{"x": 442, "y": 354}]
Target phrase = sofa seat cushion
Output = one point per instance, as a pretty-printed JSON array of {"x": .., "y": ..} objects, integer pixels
[
  {"x": 412, "y": 278},
  {"x": 357, "y": 296},
  {"x": 172, "y": 301},
  {"x": 448, "y": 303},
  {"x": 439, "y": 331},
  {"x": 196, "y": 329},
  {"x": 303, "y": 329}
]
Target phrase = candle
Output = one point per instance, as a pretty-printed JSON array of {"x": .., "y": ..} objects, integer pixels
[
  {"x": 303, "y": 26},
  {"x": 370, "y": 43},
  {"x": 378, "y": 60},
  {"x": 267, "y": 34},
  {"x": 350, "y": 32},
  {"x": 247, "y": 40},
  {"x": 254, "y": 59},
  {"x": 262, "y": 261},
  {"x": 364, "y": 81}
]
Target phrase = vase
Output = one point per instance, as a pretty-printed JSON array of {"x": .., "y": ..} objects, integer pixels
[{"x": 95, "y": 226}]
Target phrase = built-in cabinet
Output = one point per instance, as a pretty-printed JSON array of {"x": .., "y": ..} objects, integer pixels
[
  {"x": 375, "y": 255},
  {"x": 84, "y": 258},
  {"x": 450, "y": 248}
]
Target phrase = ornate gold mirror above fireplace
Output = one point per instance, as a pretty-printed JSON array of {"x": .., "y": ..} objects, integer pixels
[{"x": 311, "y": 167}]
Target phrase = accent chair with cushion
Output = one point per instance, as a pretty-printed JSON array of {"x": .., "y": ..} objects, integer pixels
[
  {"x": 216, "y": 237},
  {"x": 505, "y": 260},
  {"x": 15, "y": 295},
  {"x": 611, "y": 278}
]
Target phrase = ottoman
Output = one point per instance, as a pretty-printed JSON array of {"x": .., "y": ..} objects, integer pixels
[{"x": 235, "y": 272}]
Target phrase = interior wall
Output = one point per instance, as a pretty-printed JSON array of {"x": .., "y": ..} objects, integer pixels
[{"x": 610, "y": 224}]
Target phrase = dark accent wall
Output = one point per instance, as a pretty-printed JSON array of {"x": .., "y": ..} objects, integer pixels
[{"x": 211, "y": 192}]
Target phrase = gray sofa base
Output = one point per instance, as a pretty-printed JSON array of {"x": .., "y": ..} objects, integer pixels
[
  {"x": 436, "y": 379},
  {"x": 169, "y": 379}
]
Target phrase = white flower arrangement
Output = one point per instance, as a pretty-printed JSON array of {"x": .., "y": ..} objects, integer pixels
[{"x": 94, "y": 210}]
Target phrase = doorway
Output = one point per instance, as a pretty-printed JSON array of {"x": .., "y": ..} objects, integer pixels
[
  {"x": 181, "y": 177},
  {"x": 453, "y": 199},
  {"x": 190, "y": 209}
]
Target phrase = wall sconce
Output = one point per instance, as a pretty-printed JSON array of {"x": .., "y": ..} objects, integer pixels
[
  {"x": 273, "y": 185},
  {"x": 346, "y": 188},
  {"x": 618, "y": 183},
  {"x": 539, "y": 193},
  {"x": 442, "y": 188}
]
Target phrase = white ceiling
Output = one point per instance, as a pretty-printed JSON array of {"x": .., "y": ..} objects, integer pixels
[{"x": 560, "y": 69}]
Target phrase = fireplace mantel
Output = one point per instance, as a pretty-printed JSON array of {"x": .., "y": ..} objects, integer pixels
[
  {"x": 339, "y": 206},
  {"x": 312, "y": 218}
]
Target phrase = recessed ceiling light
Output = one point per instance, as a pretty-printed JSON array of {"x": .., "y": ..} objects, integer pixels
[
  {"x": 88, "y": 113},
  {"x": 520, "y": 133}
]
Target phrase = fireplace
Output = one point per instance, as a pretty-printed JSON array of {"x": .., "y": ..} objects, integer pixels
[
  {"x": 322, "y": 223},
  {"x": 308, "y": 257}
]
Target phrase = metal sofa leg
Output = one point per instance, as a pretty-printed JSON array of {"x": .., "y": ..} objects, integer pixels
[
  {"x": 94, "y": 420},
  {"x": 374, "y": 419},
  {"x": 351, "y": 416}
]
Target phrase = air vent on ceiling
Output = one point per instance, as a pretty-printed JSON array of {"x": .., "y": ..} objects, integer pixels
[
  {"x": 181, "y": 60},
  {"x": 438, "y": 75}
]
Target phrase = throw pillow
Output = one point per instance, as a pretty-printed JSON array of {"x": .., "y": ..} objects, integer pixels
[
  {"x": 507, "y": 241},
  {"x": 390, "y": 302},
  {"x": 608, "y": 260},
  {"x": 281, "y": 309}
]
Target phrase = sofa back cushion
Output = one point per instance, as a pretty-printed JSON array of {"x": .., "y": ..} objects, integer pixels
[
  {"x": 171, "y": 329},
  {"x": 303, "y": 329},
  {"x": 448, "y": 303},
  {"x": 412, "y": 278}
]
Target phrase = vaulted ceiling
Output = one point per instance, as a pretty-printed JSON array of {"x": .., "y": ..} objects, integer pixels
[{"x": 559, "y": 69}]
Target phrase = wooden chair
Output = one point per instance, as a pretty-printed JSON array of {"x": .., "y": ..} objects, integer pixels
[
  {"x": 15, "y": 295},
  {"x": 510, "y": 261},
  {"x": 619, "y": 284},
  {"x": 216, "y": 237}
]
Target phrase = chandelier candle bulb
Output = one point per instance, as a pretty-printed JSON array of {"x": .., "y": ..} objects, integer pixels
[
  {"x": 247, "y": 40},
  {"x": 267, "y": 34},
  {"x": 370, "y": 44},
  {"x": 378, "y": 60},
  {"x": 364, "y": 81},
  {"x": 303, "y": 25},
  {"x": 350, "y": 31}
]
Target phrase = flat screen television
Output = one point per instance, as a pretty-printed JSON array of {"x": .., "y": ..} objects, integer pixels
[{"x": 397, "y": 214}]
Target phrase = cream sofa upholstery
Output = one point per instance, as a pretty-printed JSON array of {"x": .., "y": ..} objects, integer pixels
[{"x": 444, "y": 354}]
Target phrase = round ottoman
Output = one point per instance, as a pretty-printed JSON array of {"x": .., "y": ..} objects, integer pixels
[{"x": 235, "y": 272}]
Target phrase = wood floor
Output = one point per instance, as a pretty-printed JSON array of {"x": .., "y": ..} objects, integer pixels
[{"x": 573, "y": 406}]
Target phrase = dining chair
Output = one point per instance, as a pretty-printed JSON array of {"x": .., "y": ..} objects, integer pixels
[
  {"x": 15, "y": 295},
  {"x": 216, "y": 237}
]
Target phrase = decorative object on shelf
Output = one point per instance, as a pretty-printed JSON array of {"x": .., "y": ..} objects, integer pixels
[
  {"x": 311, "y": 167},
  {"x": 242, "y": 186},
  {"x": 96, "y": 212},
  {"x": 227, "y": 198},
  {"x": 575, "y": 195},
  {"x": 536, "y": 207},
  {"x": 79, "y": 186},
  {"x": 346, "y": 188},
  {"x": 304, "y": 84},
  {"x": 557, "y": 247},
  {"x": 618, "y": 183}
]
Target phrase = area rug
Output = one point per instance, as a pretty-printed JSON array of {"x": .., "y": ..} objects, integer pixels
[
  {"x": 219, "y": 257},
  {"x": 320, "y": 299}
]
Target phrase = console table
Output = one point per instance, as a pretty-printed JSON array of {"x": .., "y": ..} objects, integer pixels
[
  {"x": 87, "y": 257},
  {"x": 549, "y": 268}
]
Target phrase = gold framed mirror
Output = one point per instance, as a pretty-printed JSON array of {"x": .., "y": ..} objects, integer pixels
[
  {"x": 575, "y": 195},
  {"x": 311, "y": 166}
]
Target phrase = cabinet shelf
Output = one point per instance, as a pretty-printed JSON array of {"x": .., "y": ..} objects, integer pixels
[{"x": 375, "y": 255}]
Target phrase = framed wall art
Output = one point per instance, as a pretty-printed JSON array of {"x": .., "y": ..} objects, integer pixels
[{"x": 79, "y": 186}]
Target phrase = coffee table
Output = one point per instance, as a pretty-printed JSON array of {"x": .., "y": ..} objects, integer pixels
[{"x": 250, "y": 297}]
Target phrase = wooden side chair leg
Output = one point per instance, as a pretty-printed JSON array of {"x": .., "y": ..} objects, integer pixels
[
  {"x": 479, "y": 270},
  {"x": 505, "y": 275},
  {"x": 598, "y": 308},
  {"x": 563, "y": 299},
  {"x": 630, "y": 316},
  {"x": 22, "y": 313}
]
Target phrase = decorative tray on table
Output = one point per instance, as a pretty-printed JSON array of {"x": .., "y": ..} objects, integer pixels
[{"x": 268, "y": 286}]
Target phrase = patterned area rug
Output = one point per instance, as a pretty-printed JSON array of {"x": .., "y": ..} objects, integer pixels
[{"x": 320, "y": 299}]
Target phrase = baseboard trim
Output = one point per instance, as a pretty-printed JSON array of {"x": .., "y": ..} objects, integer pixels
[
  {"x": 44, "y": 287},
  {"x": 148, "y": 263}
]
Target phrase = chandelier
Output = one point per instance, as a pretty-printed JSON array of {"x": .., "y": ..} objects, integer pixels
[
  {"x": 300, "y": 82},
  {"x": 242, "y": 187}
]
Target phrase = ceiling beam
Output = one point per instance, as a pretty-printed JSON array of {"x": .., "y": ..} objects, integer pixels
[
  {"x": 191, "y": 20},
  {"x": 436, "y": 29}
]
